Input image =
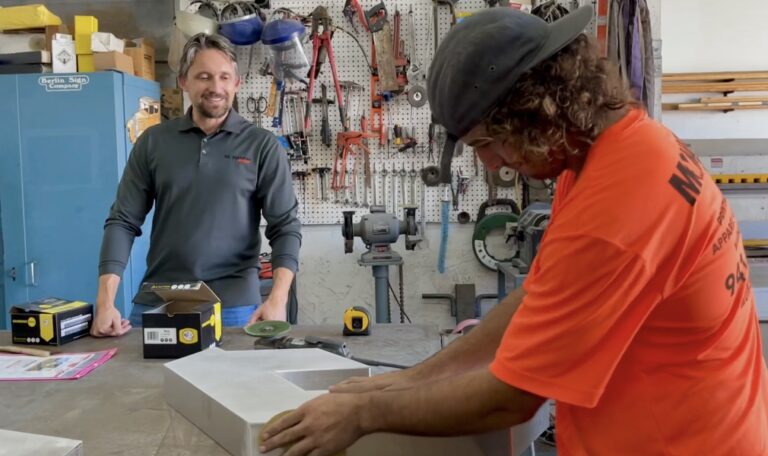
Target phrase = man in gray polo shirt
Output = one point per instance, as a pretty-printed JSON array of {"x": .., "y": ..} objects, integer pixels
[{"x": 211, "y": 176}]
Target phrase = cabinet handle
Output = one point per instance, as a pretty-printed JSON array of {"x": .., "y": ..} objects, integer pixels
[
  {"x": 12, "y": 274},
  {"x": 32, "y": 277}
]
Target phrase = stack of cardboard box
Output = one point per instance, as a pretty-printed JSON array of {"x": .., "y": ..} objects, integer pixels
[{"x": 85, "y": 26}]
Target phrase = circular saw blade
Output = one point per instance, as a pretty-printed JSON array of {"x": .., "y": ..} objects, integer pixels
[
  {"x": 417, "y": 96},
  {"x": 269, "y": 328},
  {"x": 504, "y": 177}
]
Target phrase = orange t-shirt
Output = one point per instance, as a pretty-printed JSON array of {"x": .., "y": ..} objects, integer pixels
[{"x": 639, "y": 318}]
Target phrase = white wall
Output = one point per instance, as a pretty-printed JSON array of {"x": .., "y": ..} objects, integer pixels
[
  {"x": 712, "y": 35},
  {"x": 330, "y": 281}
]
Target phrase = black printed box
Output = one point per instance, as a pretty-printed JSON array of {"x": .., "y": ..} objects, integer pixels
[
  {"x": 188, "y": 321},
  {"x": 50, "y": 321}
]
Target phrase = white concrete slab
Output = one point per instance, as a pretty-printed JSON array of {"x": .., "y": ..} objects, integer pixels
[
  {"x": 229, "y": 395},
  {"x": 14, "y": 443}
]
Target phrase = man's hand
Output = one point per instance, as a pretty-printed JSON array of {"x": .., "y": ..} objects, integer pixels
[
  {"x": 273, "y": 308},
  {"x": 108, "y": 323},
  {"x": 321, "y": 427},
  {"x": 385, "y": 382}
]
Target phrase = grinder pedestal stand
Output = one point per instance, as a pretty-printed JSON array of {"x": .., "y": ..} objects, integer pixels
[{"x": 379, "y": 230}]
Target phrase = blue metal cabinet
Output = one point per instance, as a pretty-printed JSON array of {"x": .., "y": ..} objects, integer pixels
[{"x": 63, "y": 148}]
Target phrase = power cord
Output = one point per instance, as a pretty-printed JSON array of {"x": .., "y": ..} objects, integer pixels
[
  {"x": 373, "y": 362},
  {"x": 402, "y": 310},
  {"x": 362, "y": 49}
]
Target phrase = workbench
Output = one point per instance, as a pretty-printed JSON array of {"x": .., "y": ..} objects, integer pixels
[{"x": 119, "y": 407}]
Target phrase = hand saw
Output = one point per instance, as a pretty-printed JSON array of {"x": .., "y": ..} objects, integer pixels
[{"x": 382, "y": 42}]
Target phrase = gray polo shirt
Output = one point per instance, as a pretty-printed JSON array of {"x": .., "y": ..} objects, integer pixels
[{"x": 209, "y": 193}]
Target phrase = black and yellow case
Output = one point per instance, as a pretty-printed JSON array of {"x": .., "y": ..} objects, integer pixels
[
  {"x": 188, "y": 321},
  {"x": 50, "y": 321}
]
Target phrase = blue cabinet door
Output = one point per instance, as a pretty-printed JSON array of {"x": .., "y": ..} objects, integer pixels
[
  {"x": 13, "y": 288},
  {"x": 138, "y": 94},
  {"x": 69, "y": 146},
  {"x": 63, "y": 149}
]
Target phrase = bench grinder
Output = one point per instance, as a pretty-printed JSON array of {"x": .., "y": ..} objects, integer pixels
[{"x": 379, "y": 230}]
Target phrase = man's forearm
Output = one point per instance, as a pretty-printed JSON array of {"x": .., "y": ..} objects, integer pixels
[
  {"x": 478, "y": 347},
  {"x": 281, "y": 284},
  {"x": 478, "y": 402},
  {"x": 108, "y": 285}
]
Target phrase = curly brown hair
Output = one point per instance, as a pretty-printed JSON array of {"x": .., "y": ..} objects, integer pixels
[{"x": 561, "y": 104}]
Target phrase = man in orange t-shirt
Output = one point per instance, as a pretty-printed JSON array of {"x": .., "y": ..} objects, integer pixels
[{"x": 637, "y": 317}]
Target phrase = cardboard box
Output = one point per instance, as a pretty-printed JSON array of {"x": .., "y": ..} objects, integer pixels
[
  {"x": 147, "y": 115},
  {"x": 25, "y": 58},
  {"x": 33, "y": 39},
  {"x": 171, "y": 103},
  {"x": 50, "y": 321},
  {"x": 189, "y": 320},
  {"x": 143, "y": 55},
  {"x": 63, "y": 54},
  {"x": 106, "y": 42},
  {"x": 26, "y": 68},
  {"x": 85, "y": 63},
  {"x": 85, "y": 26},
  {"x": 113, "y": 61}
]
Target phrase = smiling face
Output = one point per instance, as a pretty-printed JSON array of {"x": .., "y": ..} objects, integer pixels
[
  {"x": 497, "y": 152},
  {"x": 211, "y": 82}
]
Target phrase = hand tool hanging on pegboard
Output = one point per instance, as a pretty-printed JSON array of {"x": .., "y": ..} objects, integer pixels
[
  {"x": 436, "y": 16},
  {"x": 412, "y": 183},
  {"x": 443, "y": 175},
  {"x": 445, "y": 214},
  {"x": 325, "y": 128},
  {"x": 352, "y": 8},
  {"x": 302, "y": 177},
  {"x": 402, "y": 174},
  {"x": 322, "y": 47},
  {"x": 283, "y": 38},
  {"x": 322, "y": 182},
  {"x": 377, "y": 123},
  {"x": 366, "y": 163},
  {"x": 398, "y": 53},
  {"x": 293, "y": 130},
  {"x": 347, "y": 143},
  {"x": 417, "y": 94},
  {"x": 256, "y": 107},
  {"x": 380, "y": 29}
]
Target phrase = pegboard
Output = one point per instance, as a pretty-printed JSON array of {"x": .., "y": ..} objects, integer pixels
[{"x": 352, "y": 65}]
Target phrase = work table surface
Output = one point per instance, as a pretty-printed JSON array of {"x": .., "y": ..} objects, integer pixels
[{"x": 118, "y": 409}]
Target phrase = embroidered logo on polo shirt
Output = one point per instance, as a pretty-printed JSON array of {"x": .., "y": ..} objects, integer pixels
[{"x": 240, "y": 159}]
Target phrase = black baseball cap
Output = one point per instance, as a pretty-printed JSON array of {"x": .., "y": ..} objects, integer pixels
[{"x": 481, "y": 59}]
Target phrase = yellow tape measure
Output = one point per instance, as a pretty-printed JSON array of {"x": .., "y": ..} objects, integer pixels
[{"x": 357, "y": 322}]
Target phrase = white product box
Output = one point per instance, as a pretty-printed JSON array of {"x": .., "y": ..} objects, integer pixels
[
  {"x": 106, "y": 42},
  {"x": 63, "y": 54}
]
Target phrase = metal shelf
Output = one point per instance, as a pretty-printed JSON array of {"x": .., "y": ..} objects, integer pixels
[{"x": 742, "y": 187}]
